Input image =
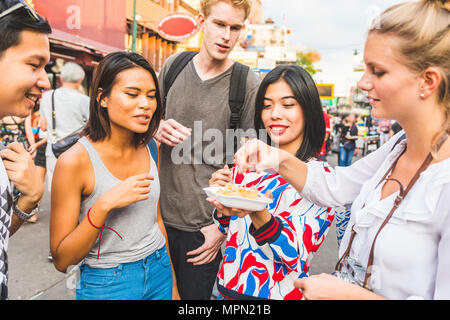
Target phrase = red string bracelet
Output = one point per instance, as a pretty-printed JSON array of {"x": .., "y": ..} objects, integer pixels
[{"x": 101, "y": 232}]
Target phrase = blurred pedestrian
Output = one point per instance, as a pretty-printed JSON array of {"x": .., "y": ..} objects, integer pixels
[
  {"x": 395, "y": 128},
  {"x": 24, "y": 52},
  {"x": 12, "y": 129},
  {"x": 39, "y": 129},
  {"x": 348, "y": 137},
  {"x": 71, "y": 111},
  {"x": 322, "y": 155},
  {"x": 384, "y": 126},
  {"x": 105, "y": 210}
]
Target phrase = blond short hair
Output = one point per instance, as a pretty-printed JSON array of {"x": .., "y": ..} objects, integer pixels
[
  {"x": 205, "y": 6},
  {"x": 423, "y": 29}
]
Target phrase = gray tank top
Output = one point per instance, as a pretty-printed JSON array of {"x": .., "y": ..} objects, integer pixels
[{"x": 136, "y": 223}]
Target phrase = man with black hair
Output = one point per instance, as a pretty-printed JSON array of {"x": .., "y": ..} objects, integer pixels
[{"x": 24, "y": 52}]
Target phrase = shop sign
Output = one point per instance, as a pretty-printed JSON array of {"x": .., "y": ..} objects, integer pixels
[
  {"x": 326, "y": 91},
  {"x": 178, "y": 27}
]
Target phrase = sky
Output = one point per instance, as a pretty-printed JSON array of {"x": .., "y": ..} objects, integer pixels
[{"x": 334, "y": 28}]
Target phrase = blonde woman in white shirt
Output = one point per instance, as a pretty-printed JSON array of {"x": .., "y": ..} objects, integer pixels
[{"x": 407, "y": 79}]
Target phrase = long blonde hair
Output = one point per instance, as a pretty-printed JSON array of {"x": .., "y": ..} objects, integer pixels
[{"x": 423, "y": 30}]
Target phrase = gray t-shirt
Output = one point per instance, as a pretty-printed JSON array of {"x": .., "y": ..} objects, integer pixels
[
  {"x": 186, "y": 169},
  {"x": 135, "y": 223},
  {"x": 71, "y": 112}
]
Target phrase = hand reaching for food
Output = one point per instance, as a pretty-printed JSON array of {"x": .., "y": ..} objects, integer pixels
[{"x": 221, "y": 177}]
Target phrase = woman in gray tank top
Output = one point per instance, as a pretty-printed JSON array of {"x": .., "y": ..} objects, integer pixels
[{"x": 105, "y": 212}]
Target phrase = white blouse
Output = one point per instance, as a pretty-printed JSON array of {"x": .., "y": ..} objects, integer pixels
[{"x": 412, "y": 252}]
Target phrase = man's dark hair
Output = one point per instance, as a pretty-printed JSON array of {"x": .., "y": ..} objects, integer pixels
[
  {"x": 14, "y": 23},
  {"x": 306, "y": 94},
  {"x": 98, "y": 126}
]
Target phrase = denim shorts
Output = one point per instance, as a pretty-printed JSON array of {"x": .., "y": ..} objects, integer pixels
[{"x": 146, "y": 279}]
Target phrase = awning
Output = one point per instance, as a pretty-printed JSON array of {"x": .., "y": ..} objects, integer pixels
[
  {"x": 96, "y": 27},
  {"x": 78, "y": 43}
]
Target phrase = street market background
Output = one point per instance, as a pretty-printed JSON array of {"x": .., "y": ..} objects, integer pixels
[{"x": 335, "y": 29}]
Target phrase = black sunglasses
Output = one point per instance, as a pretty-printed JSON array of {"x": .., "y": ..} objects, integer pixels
[{"x": 23, "y": 5}]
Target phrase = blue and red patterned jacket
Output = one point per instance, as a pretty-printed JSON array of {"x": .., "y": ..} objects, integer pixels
[{"x": 264, "y": 263}]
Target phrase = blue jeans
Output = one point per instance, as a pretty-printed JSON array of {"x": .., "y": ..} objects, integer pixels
[
  {"x": 345, "y": 157},
  {"x": 220, "y": 297},
  {"x": 146, "y": 279}
]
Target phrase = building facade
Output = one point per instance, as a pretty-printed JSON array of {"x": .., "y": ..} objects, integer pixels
[
  {"x": 149, "y": 43},
  {"x": 82, "y": 32},
  {"x": 85, "y": 31}
]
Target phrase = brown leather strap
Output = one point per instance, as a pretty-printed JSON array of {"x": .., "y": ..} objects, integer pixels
[
  {"x": 347, "y": 251},
  {"x": 397, "y": 202},
  {"x": 352, "y": 236}
]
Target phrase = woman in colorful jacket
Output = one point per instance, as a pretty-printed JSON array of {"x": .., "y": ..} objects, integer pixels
[{"x": 267, "y": 250}]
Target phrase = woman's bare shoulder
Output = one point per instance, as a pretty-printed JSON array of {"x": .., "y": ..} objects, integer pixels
[
  {"x": 74, "y": 158},
  {"x": 74, "y": 167}
]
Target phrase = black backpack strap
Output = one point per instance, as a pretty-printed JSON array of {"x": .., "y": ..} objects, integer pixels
[
  {"x": 238, "y": 83},
  {"x": 177, "y": 66},
  {"x": 236, "y": 98}
]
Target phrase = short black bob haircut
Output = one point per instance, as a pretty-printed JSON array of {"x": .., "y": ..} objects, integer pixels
[
  {"x": 306, "y": 94},
  {"x": 14, "y": 23},
  {"x": 98, "y": 126}
]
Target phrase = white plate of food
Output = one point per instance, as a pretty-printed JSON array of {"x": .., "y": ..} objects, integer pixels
[{"x": 237, "y": 197}]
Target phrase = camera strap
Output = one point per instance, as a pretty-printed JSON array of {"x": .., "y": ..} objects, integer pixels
[
  {"x": 53, "y": 117},
  {"x": 399, "y": 199}
]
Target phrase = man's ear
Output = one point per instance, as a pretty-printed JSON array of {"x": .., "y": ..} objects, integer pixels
[{"x": 201, "y": 20}]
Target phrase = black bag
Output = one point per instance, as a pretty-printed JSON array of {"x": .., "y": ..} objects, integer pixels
[
  {"x": 65, "y": 143},
  {"x": 349, "y": 146}
]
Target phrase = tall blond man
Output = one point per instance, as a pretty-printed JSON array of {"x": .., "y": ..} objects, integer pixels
[{"x": 198, "y": 101}]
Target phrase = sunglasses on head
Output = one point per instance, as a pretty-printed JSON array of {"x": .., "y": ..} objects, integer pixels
[{"x": 22, "y": 5}]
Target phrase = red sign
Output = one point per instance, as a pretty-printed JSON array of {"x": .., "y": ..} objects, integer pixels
[
  {"x": 178, "y": 27},
  {"x": 99, "y": 24}
]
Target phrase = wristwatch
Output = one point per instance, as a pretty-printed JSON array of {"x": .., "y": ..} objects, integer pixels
[{"x": 22, "y": 215}]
